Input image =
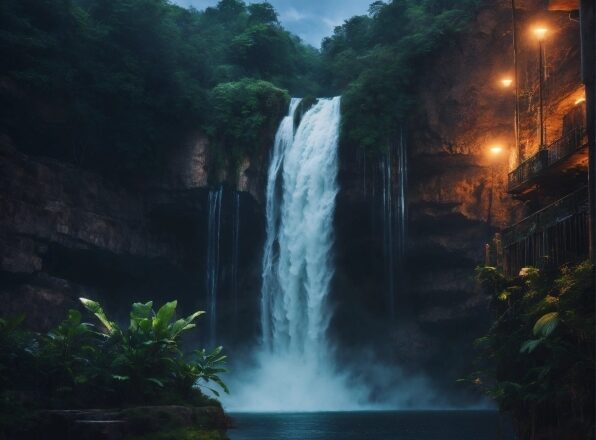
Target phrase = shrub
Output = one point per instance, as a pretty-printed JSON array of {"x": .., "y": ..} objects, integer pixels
[
  {"x": 539, "y": 351},
  {"x": 79, "y": 364}
]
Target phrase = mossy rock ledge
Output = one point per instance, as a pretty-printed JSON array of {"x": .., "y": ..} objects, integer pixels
[{"x": 135, "y": 423}]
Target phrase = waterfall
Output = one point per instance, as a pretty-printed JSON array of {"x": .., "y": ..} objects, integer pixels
[
  {"x": 283, "y": 141},
  {"x": 402, "y": 176},
  {"x": 296, "y": 313},
  {"x": 295, "y": 370},
  {"x": 389, "y": 248},
  {"x": 212, "y": 261},
  {"x": 235, "y": 252},
  {"x": 393, "y": 168}
]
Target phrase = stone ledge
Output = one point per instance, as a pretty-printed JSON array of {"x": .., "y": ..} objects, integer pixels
[{"x": 161, "y": 422}]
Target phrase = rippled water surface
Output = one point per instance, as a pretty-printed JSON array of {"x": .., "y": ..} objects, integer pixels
[{"x": 403, "y": 425}]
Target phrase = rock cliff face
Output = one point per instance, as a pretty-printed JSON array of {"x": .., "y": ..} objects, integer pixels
[
  {"x": 67, "y": 233},
  {"x": 456, "y": 196}
]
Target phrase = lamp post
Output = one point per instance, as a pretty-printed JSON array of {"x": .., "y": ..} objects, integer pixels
[
  {"x": 506, "y": 83},
  {"x": 540, "y": 33},
  {"x": 588, "y": 47},
  {"x": 495, "y": 152},
  {"x": 518, "y": 147}
]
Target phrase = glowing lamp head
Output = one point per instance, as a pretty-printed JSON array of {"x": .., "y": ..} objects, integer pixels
[
  {"x": 495, "y": 150},
  {"x": 580, "y": 100},
  {"x": 506, "y": 82},
  {"x": 540, "y": 32}
]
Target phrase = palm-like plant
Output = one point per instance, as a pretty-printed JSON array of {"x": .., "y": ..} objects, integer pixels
[{"x": 146, "y": 358}]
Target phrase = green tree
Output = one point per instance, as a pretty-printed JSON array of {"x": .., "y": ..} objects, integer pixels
[
  {"x": 245, "y": 116},
  {"x": 262, "y": 13},
  {"x": 375, "y": 60}
]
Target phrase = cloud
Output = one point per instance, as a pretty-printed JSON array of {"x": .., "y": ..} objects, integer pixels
[
  {"x": 292, "y": 15},
  {"x": 332, "y": 23},
  {"x": 311, "y": 20}
]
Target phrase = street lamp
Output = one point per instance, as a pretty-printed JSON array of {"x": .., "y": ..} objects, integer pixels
[
  {"x": 495, "y": 150},
  {"x": 540, "y": 33},
  {"x": 506, "y": 82},
  {"x": 518, "y": 148}
]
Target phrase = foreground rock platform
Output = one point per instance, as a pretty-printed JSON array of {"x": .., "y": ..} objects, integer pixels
[{"x": 136, "y": 423}]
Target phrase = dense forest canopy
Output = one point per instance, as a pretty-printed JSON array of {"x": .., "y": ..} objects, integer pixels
[
  {"x": 114, "y": 85},
  {"x": 374, "y": 62},
  {"x": 118, "y": 83}
]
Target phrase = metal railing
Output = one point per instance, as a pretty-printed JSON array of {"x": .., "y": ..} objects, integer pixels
[
  {"x": 554, "y": 235},
  {"x": 566, "y": 145},
  {"x": 563, "y": 147},
  {"x": 528, "y": 169}
]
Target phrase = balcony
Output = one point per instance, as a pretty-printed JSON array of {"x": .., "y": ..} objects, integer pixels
[
  {"x": 554, "y": 235},
  {"x": 569, "y": 151}
]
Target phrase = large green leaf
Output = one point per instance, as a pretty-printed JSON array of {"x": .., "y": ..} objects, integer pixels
[
  {"x": 546, "y": 324},
  {"x": 141, "y": 311},
  {"x": 530, "y": 345},
  {"x": 140, "y": 316},
  {"x": 185, "y": 324},
  {"x": 96, "y": 309},
  {"x": 164, "y": 315}
]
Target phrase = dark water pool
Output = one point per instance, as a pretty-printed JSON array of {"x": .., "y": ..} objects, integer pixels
[{"x": 403, "y": 425}]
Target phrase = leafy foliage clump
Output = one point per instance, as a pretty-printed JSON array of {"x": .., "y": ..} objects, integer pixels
[
  {"x": 377, "y": 58},
  {"x": 82, "y": 365},
  {"x": 540, "y": 349},
  {"x": 245, "y": 115}
]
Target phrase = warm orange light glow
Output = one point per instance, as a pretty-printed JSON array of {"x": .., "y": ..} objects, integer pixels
[
  {"x": 540, "y": 32},
  {"x": 495, "y": 150},
  {"x": 506, "y": 82},
  {"x": 580, "y": 100}
]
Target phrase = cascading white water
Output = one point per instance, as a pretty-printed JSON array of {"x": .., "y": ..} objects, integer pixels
[
  {"x": 283, "y": 141},
  {"x": 294, "y": 370},
  {"x": 212, "y": 261},
  {"x": 296, "y": 313}
]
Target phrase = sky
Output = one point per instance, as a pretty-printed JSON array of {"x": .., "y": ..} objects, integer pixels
[{"x": 312, "y": 20}]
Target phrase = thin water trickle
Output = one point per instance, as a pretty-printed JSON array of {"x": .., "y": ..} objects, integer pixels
[
  {"x": 393, "y": 168},
  {"x": 212, "y": 261},
  {"x": 235, "y": 252}
]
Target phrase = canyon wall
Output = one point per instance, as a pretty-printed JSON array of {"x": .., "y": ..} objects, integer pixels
[
  {"x": 456, "y": 196},
  {"x": 67, "y": 232}
]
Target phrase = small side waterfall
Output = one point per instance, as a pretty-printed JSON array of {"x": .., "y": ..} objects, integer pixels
[
  {"x": 389, "y": 244},
  {"x": 212, "y": 261},
  {"x": 393, "y": 168},
  {"x": 235, "y": 252},
  {"x": 402, "y": 202}
]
